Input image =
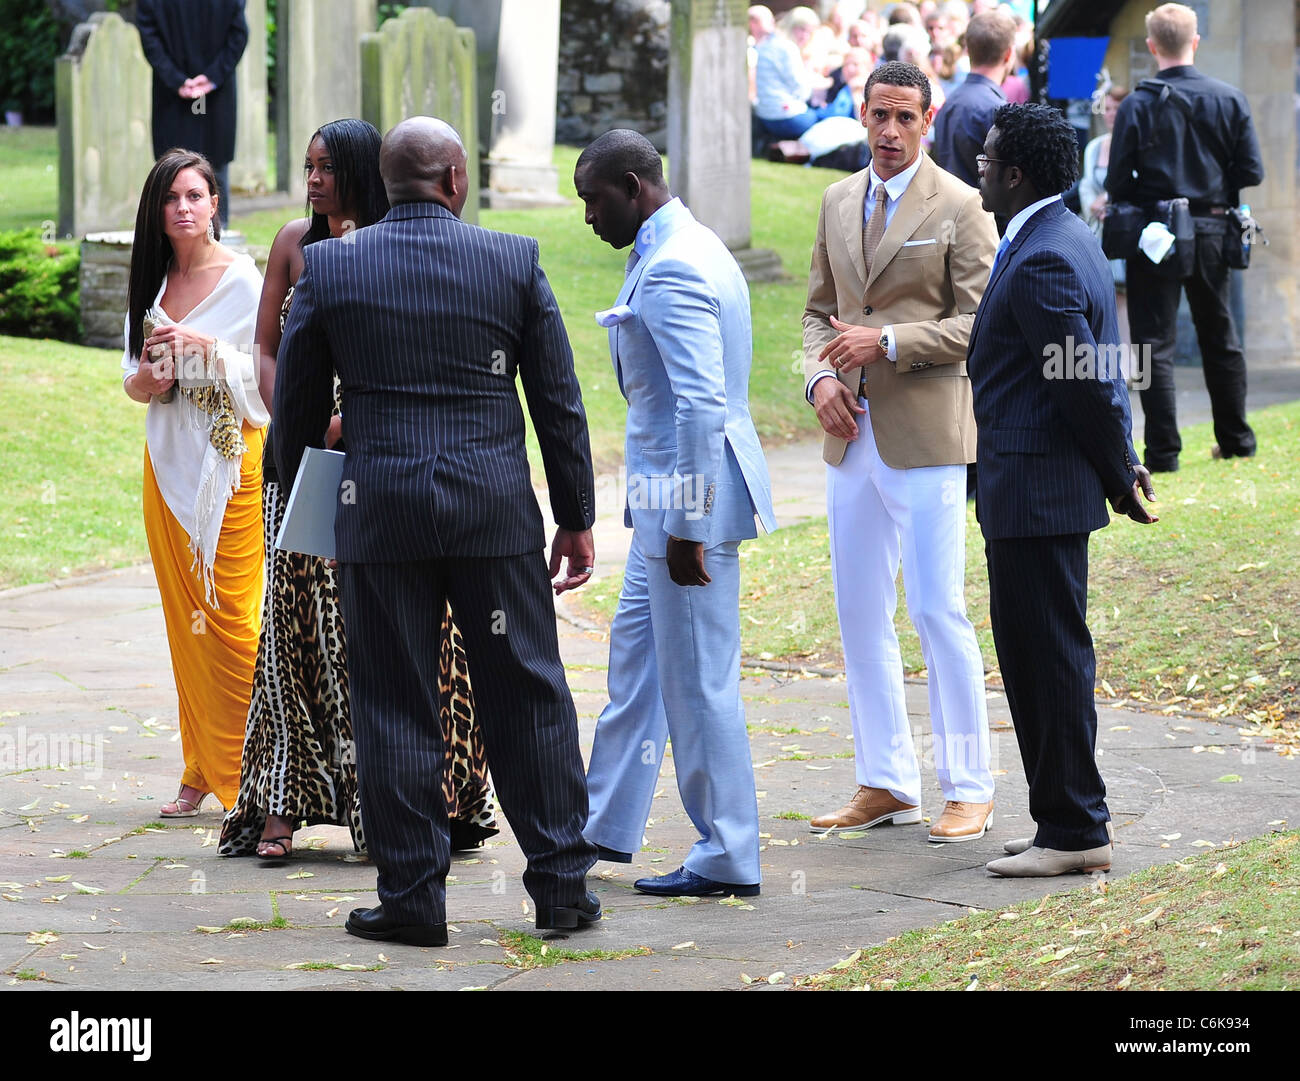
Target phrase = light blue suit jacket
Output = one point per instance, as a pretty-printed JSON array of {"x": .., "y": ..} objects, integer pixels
[{"x": 681, "y": 350}]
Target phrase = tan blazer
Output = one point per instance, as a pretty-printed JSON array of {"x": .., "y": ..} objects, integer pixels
[{"x": 926, "y": 281}]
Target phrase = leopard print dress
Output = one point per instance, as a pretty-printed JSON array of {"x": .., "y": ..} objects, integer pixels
[{"x": 298, "y": 753}]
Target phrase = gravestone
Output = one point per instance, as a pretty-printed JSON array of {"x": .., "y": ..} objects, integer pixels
[
  {"x": 103, "y": 88},
  {"x": 248, "y": 172},
  {"x": 318, "y": 75},
  {"x": 709, "y": 125},
  {"x": 518, "y": 45},
  {"x": 421, "y": 64}
]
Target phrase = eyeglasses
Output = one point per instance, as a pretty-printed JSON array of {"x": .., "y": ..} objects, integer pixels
[{"x": 982, "y": 161}]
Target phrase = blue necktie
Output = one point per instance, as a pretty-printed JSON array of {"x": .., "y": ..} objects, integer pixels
[{"x": 1003, "y": 245}]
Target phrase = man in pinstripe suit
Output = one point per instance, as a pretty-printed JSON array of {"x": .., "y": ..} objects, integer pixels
[
  {"x": 1055, "y": 442},
  {"x": 427, "y": 320}
]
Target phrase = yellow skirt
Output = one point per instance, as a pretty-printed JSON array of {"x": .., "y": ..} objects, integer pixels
[{"x": 213, "y": 650}]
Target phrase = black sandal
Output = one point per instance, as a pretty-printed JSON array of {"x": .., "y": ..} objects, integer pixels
[{"x": 286, "y": 850}]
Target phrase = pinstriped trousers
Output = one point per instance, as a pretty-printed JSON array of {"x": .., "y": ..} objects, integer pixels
[{"x": 393, "y": 612}]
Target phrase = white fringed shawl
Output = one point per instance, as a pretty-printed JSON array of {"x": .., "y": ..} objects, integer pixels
[{"x": 196, "y": 482}]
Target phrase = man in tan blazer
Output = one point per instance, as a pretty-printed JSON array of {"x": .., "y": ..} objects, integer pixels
[{"x": 903, "y": 254}]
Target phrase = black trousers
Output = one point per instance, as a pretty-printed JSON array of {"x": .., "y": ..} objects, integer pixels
[
  {"x": 1152, "y": 314},
  {"x": 393, "y": 614},
  {"x": 1038, "y": 601}
]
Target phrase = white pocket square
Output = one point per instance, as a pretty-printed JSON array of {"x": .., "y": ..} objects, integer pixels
[
  {"x": 611, "y": 317},
  {"x": 918, "y": 243}
]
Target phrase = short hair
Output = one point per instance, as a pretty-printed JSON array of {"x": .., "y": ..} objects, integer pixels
[
  {"x": 905, "y": 12},
  {"x": 1171, "y": 28},
  {"x": 1116, "y": 92},
  {"x": 612, "y": 156},
  {"x": 988, "y": 37},
  {"x": 896, "y": 73},
  {"x": 1041, "y": 142},
  {"x": 803, "y": 17}
]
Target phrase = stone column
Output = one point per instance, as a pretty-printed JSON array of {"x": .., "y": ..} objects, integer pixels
[
  {"x": 709, "y": 125},
  {"x": 248, "y": 172},
  {"x": 518, "y": 46},
  {"x": 318, "y": 71},
  {"x": 103, "y": 90}
]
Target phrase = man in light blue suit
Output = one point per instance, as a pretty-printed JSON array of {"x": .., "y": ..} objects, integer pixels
[{"x": 679, "y": 336}]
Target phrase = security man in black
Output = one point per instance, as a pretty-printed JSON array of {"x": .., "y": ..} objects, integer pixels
[{"x": 1202, "y": 147}]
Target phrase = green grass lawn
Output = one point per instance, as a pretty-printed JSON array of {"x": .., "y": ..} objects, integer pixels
[
  {"x": 1199, "y": 613},
  {"x": 72, "y": 454},
  {"x": 1222, "y": 921},
  {"x": 29, "y": 177}
]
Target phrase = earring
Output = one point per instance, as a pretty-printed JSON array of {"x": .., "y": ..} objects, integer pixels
[{"x": 212, "y": 236}]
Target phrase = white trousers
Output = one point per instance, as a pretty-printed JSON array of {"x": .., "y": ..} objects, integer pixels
[{"x": 878, "y": 514}]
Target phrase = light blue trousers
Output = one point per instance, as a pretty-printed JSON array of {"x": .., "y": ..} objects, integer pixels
[{"x": 674, "y": 673}]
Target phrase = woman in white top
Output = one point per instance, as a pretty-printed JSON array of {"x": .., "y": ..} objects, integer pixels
[{"x": 191, "y": 312}]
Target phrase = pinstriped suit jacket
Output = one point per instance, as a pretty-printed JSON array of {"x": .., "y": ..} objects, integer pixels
[
  {"x": 1050, "y": 450},
  {"x": 427, "y": 320}
]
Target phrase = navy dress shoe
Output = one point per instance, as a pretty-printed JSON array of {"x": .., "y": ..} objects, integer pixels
[
  {"x": 372, "y": 923},
  {"x": 610, "y": 855},
  {"x": 555, "y": 918},
  {"x": 684, "y": 883}
]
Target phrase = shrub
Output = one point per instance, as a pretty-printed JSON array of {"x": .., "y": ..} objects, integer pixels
[
  {"x": 30, "y": 41},
  {"x": 39, "y": 294}
]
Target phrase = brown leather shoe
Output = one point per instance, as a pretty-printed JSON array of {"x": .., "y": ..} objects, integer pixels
[
  {"x": 962, "y": 821},
  {"x": 868, "y": 807}
]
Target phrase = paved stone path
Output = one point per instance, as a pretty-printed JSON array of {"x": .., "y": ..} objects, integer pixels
[{"x": 95, "y": 893}]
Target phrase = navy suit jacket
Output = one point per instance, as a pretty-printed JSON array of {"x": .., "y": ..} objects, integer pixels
[
  {"x": 1054, "y": 438},
  {"x": 962, "y": 125},
  {"x": 427, "y": 320}
]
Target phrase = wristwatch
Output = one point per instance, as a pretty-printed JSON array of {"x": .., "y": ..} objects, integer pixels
[{"x": 884, "y": 342}]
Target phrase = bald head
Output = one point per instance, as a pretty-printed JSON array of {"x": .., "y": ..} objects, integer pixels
[{"x": 422, "y": 160}]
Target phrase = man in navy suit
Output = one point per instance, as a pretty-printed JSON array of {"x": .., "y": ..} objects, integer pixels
[
  {"x": 1054, "y": 444},
  {"x": 427, "y": 320}
]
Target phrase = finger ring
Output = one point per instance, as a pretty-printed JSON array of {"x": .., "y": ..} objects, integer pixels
[{"x": 583, "y": 570}]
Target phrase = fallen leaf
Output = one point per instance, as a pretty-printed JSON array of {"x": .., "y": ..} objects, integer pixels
[
  {"x": 209, "y": 961},
  {"x": 1228, "y": 778},
  {"x": 1123, "y": 984},
  {"x": 301, "y": 874},
  {"x": 776, "y": 977},
  {"x": 87, "y": 889},
  {"x": 684, "y": 946},
  {"x": 1170, "y": 836},
  {"x": 1153, "y": 914},
  {"x": 41, "y": 938}
]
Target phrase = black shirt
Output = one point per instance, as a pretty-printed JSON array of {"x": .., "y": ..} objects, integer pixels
[{"x": 1158, "y": 151}]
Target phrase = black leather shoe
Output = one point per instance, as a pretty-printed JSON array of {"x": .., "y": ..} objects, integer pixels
[
  {"x": 610, "y": 855},
  {"x": 372, "y": 923},
  {"x": 684, "y": 883},
  {"x": 555, "y": 918}
]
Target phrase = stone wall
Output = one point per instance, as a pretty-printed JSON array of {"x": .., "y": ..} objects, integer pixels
[{"x": 613, "y": 69}]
